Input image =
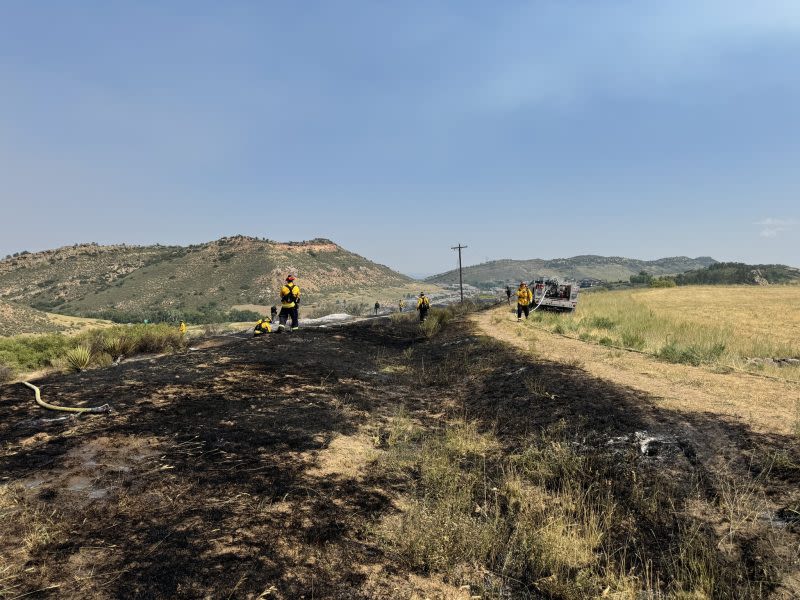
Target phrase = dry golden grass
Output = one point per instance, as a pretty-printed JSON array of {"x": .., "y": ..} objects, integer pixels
[
  {"x": 762, "y": 403},
  {"x": 758, "y": 316},
  {"x": 76, "y": 325},
  {"x": 719, "y": 326}
]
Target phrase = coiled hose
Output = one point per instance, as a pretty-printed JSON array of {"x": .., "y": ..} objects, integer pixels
[{"x": 94, "y": 409}]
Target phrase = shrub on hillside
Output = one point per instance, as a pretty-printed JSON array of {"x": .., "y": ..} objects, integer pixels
[{"x": 662, "y": 282}]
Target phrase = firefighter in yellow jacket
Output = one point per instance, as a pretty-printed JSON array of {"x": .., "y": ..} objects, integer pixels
[
  {"x": 262, "y": 326},
  {"x": 423, "y": 305},
  {"x": 290, "y": 300},
  {"x": 524, "y": 299}
]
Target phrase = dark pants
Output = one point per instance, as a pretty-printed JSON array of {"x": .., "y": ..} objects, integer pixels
[
  {"x": 423, "y": 313},
  {"x": 523, "y": 309},
  {"x": 508, "y": 297},
  {"x": 285, "y": 314}
]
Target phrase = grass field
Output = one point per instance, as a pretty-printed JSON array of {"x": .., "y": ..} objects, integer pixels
[{"x": 721, "y": 326}]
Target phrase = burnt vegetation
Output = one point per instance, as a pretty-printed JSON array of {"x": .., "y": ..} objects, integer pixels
[{"x": 480, "y": 467}]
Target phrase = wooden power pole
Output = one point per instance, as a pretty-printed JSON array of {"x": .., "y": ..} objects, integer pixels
[{"x": 460, "y": 278}]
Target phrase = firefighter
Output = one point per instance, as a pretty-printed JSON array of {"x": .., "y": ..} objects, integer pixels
[
  {"x": 423, "y": 305},
  {"x": 182, "y": 327},
  {"x": 401, "y": 305},
  {"x": 524, "y": 298},
  {"x": 377, "y": 308},
  {"x": 508, "y": 294},
  {"x": 290, "y": 299},
  {"x": 262, "y": 326}
]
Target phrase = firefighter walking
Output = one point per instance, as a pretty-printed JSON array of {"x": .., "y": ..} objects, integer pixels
[
  {"x": 423, "y": 305},
  {"x": 290, "y": 299},
  {"x": 524, "y": 299}
]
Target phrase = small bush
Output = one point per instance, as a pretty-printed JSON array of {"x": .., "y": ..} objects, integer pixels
[
  {"x": 78, "y": 358},
  {"x": 665, "y": 282},
  {"x": 115, "y": 346},
  {"x": 606, "y": 341},
  {"x": 6, "y": 373}
]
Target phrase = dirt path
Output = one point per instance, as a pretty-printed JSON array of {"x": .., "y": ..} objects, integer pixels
[{"x": 763, "y": 404}]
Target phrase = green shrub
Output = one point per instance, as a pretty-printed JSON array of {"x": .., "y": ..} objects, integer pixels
[
  {"x": 78, "y": 358},
  {"x": 662, "y": 282},
  {"x": 606, "y": 341},
  {"x": 115, "y": 346}
]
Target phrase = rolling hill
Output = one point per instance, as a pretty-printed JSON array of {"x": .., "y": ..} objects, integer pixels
[
  {"x": 126, "y": 282},
  {"x": 607, "y": 268},
  {"x": 16, "y": 319}
]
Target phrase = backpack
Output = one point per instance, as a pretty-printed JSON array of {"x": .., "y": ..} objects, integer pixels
[{"x": 288, "y": 298}]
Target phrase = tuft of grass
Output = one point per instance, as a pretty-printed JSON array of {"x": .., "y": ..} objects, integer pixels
[
  {"x": 78, "y": 358},
  {"x": 601, "y": 322},
  {"x": 695, "y": 354}
]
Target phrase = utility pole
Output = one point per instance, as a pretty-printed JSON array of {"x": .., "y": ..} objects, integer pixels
[{"x": 460, "y": 278}]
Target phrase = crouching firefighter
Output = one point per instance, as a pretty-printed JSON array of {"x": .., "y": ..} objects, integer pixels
[
  {"x": 262, "y": 326},
  {"x": 290, "y": 300}
]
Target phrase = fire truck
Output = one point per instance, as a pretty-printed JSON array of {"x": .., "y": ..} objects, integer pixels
[{"x": 552, "y": 294}]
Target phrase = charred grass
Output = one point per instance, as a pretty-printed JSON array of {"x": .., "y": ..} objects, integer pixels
[
  {"x": 537, "y": 485},
  {"x": 511, "y": 477}
]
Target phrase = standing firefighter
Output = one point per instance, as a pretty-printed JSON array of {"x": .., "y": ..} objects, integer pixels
[
  {"x": 508, "y": 294},
  {"x": 377, "y": 308},
  {"x": 524, "y": 299},
  {"x": 182, "y": 328},
  {"x": 290, "y": 298},
  {"x": 401, "y": 305},
  {"x": 423, "y": 305}
]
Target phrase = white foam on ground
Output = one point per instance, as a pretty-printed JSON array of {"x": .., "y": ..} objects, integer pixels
[{"x": 334, "y": 318}]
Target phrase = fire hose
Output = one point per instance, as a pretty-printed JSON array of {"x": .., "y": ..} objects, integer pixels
[
  {"x": 93, "y": 409},
  {"x": 544, "y": 295}
]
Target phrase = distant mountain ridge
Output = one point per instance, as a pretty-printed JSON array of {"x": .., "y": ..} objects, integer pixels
[
  {"x": 94, "y": 280},
  {"x": 605, "y": 268}
]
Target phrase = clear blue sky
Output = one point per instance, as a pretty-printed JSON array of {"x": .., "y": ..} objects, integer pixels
[{"x": 523, "y": 129}]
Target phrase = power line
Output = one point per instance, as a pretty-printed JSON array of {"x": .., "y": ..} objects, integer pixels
[{"x": 460, "y": 278}]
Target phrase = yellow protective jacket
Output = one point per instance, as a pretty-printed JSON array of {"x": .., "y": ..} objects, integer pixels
[
  {"x": 423, "y": 302},
  {"x": 262, "y": 326},
  {"x": 290, "y": 294},
  {"x": 524, "y": 296}
]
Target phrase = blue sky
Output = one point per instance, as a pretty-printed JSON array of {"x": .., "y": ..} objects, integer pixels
[{"x": 522, "y": 129}]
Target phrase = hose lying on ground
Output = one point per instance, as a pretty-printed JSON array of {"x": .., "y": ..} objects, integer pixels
[{"x": 94, "y": 409}]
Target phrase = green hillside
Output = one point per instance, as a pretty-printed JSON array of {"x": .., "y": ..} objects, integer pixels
[
  {"x": 128, "y": 282},
  {"x": 730, "y": 273},
  {"x": 607, "y": 268}
]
